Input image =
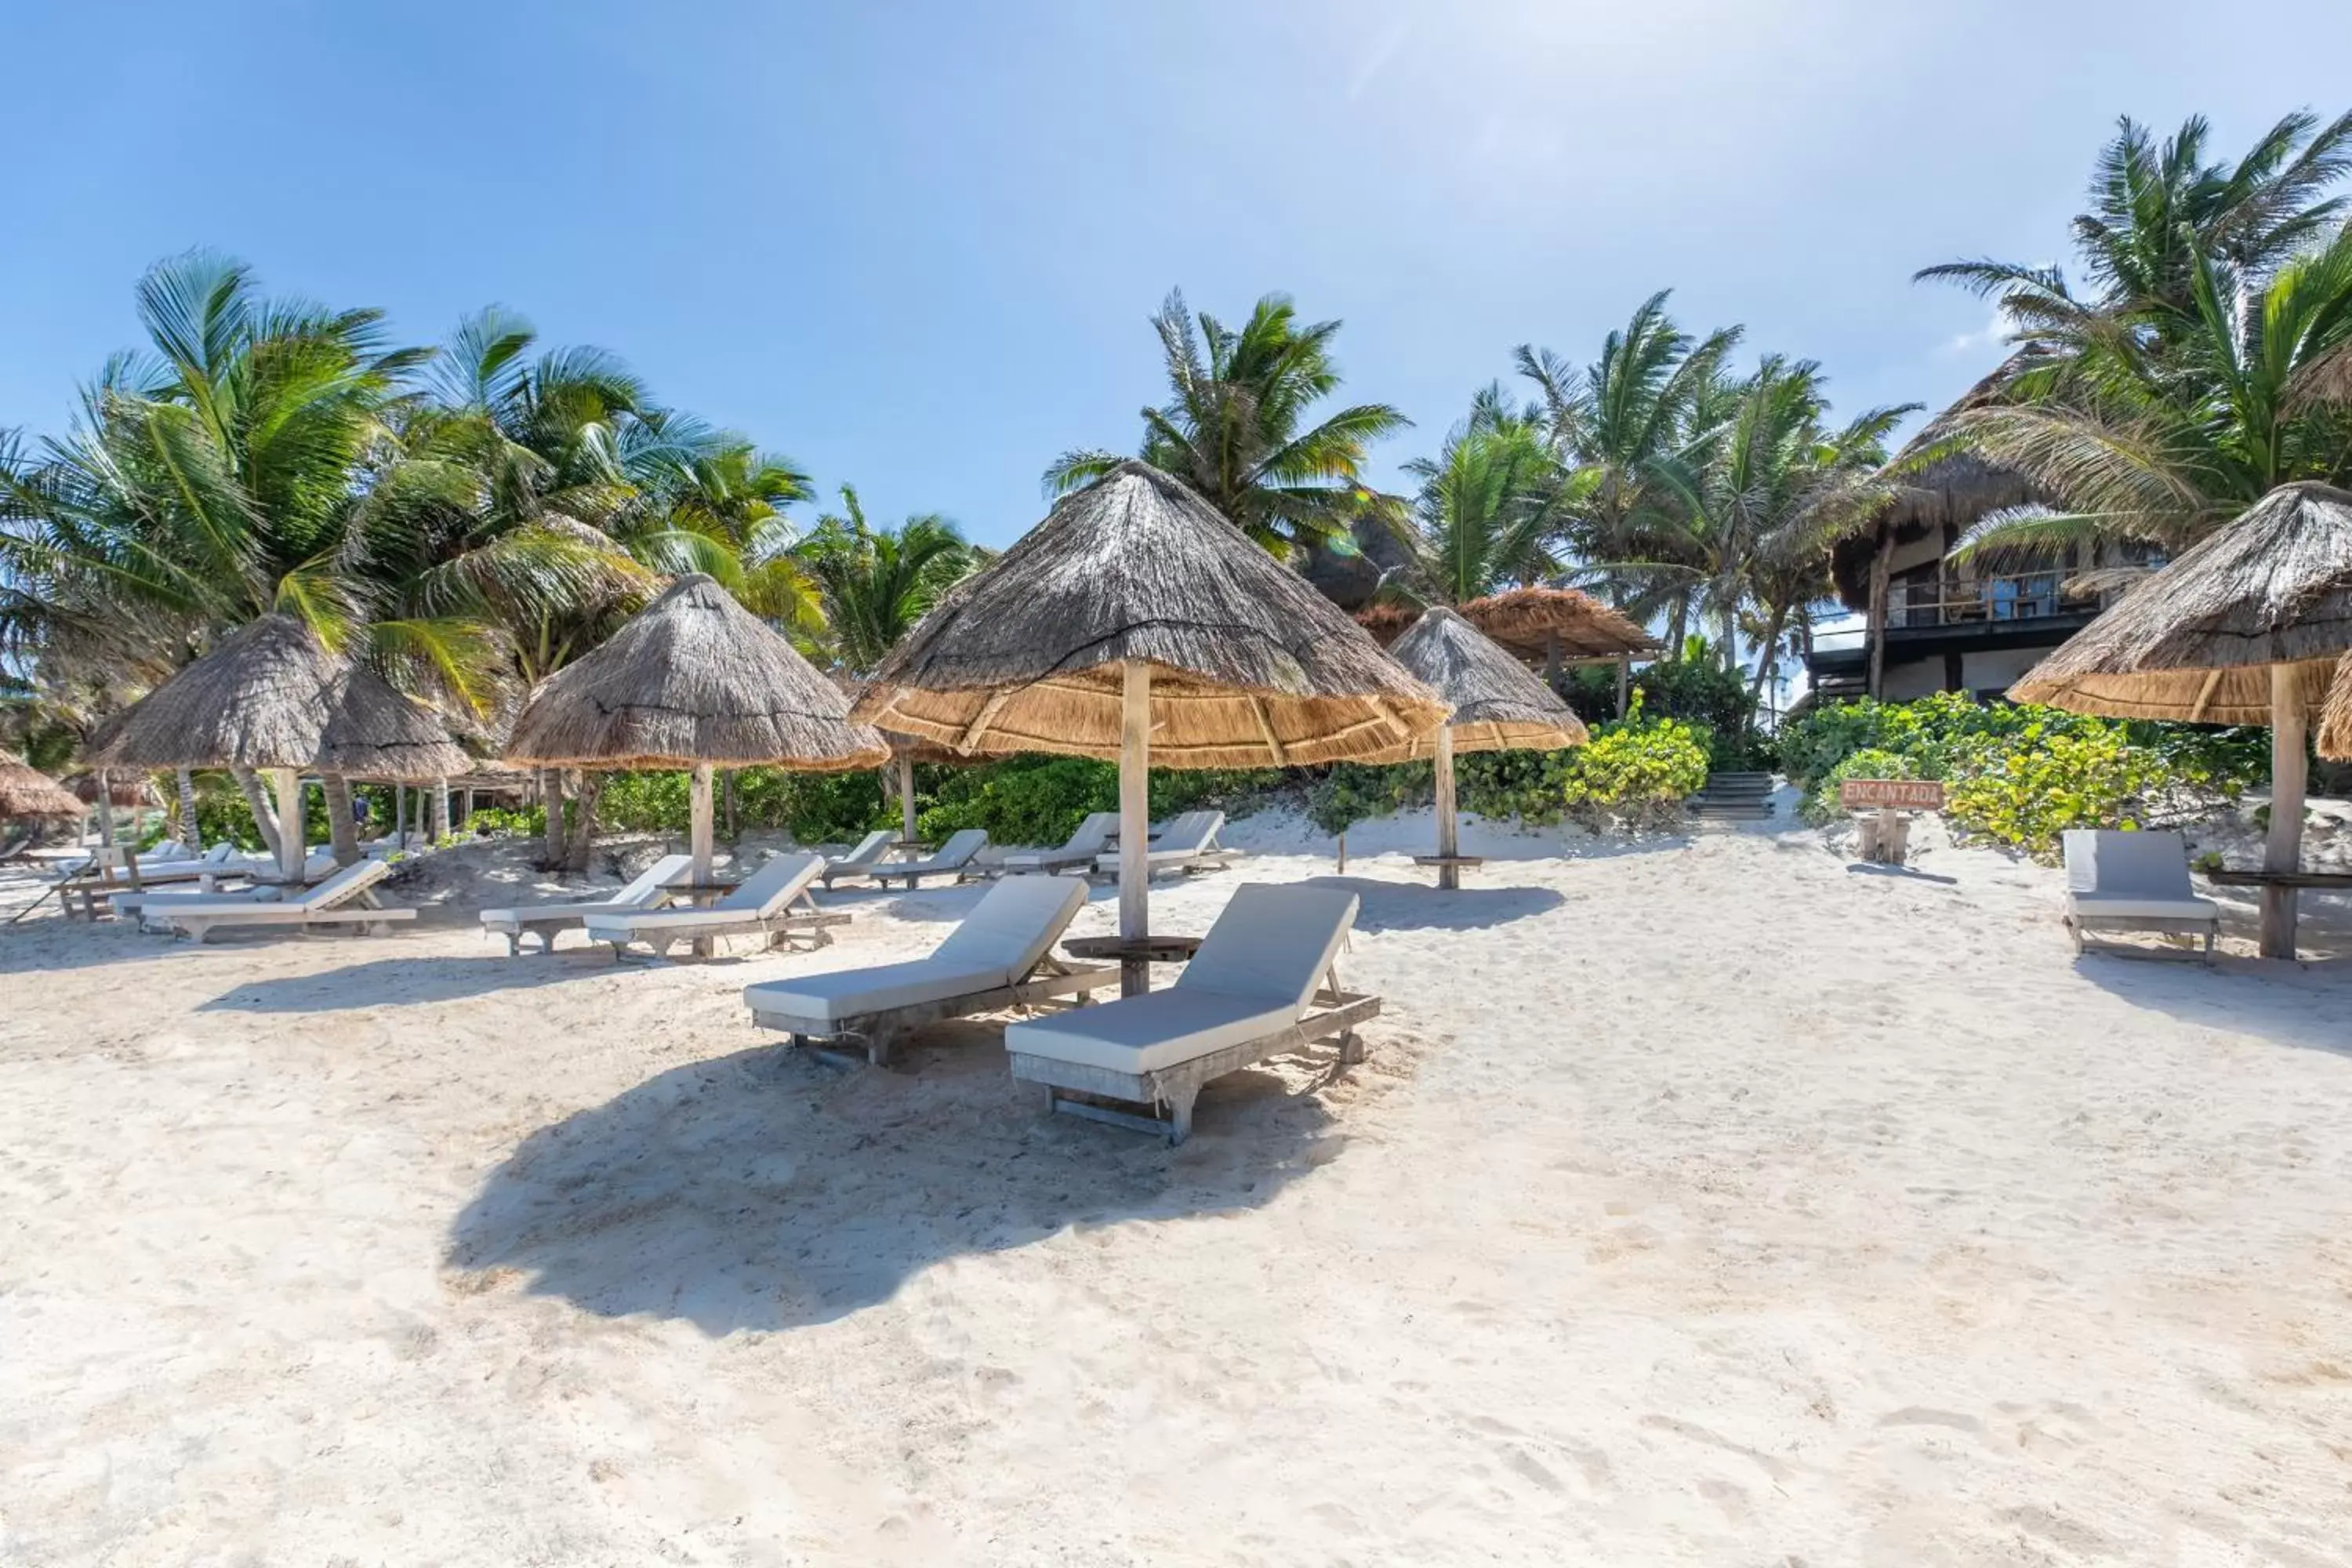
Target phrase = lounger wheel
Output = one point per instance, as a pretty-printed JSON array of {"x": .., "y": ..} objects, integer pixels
[{"x": 1351, "y": 1048}]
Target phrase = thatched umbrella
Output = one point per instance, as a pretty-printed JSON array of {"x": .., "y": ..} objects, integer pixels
[
  {"x": 124, "y": 790},
  {"x": 271, "y": 698},
  {"x": 1540, "y": 627},
  {"x": 2245, "y": 628},
  {"x": 27, "y": 795},
  {"x": 694, "y": 680},
  {"x": 1499, "y": 706},
  {"x": 1135, "y": 622}
]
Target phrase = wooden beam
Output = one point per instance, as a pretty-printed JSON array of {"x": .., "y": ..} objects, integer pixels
[
  {"x": 2283, "y": 846},
  {"x": 982, "y": 720},
  {"x": 2204, "y": 695},
  {"x": 1135, "y": 818},
  {"x": 1266, "y": 728}
]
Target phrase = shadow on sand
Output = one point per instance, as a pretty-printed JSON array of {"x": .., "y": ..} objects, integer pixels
[
  {"x": 768, "y": 1190},
  {"x": 1404, "y": 905},
  {"x": 2308, "y": 1005},
  {"x": 409, "y": 982}
]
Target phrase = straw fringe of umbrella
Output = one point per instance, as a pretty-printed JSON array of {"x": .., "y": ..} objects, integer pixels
[{"x": 2335, "y": 720}]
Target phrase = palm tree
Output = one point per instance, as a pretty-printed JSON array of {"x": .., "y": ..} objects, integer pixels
[
  {"x": 1490, "y": 508},
  {"x": 224, "y": 472},
  {"x": 1631, "y": 428},
  {"x": 1236, "y": 427},
  {"x": 876, "y": 583},
  {"x": 2195, "y": 379}
]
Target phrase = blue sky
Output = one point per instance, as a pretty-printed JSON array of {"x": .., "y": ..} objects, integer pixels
[{"x": 914, "y": 245}]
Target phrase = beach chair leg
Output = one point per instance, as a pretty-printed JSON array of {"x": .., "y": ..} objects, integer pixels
[
  {"x": 878, "y": 1042},
  {"x": 2211, "y": 931},
  {"x": 2075, "y": 932},
  {"x": 1180, "y": 1116},
  {"x": 1351, "y": 1048}
]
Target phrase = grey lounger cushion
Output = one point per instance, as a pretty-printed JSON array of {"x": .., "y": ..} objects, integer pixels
[
  {"x": 661, "y": 874},
  {"x": 1256, "y": 974},
  {"x": 2131, "y": 876},
  {"x": 761, "y": 897},
  {"x": 1004, "y": 938}
]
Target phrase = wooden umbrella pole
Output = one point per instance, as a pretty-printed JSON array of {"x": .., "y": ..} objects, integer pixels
[
  {"x": 1134, "y": 820},
  {"x": 906, "y": 799},
  {"x": 698, "y": 825},
  {"x": 289, "y": 823},
  {"x": 2282, "y": 850},
  {"x": 1449, "y": 874}
]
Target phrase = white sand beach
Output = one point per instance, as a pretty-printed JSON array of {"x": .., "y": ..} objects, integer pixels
[{"x": 1703, "y": 1201}]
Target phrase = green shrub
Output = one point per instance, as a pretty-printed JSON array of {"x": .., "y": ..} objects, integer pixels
[
  {"x": 1870, "y": 763},
  {"x": 2021, "y": 774},
  {"x": 1036, "y": 799},
  {"x": 1638, "y": 773},
  {"x": 531, "y": 821}
]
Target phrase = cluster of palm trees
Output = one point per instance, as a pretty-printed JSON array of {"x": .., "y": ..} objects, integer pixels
[
  {"x": 1688, "y": 493},
  {"x": 2201, "y": 357},
  {"x": 468, "y": 517}
]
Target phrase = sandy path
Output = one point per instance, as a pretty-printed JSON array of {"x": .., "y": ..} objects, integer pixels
[{"x": 1705, "y": 1202}]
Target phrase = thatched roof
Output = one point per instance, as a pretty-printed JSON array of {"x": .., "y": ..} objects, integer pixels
[
  {"x": 272, "y": 696},
  {"x": 1250, "y": 666},
  {"x": 1523, "y": 621},
  {"x": 374, "y": 731},
  {"x": 1497, "y": 705},
  {"x": 1952, "y": 491},
  {"x": 28, "y": 794},
  {"x": 258, "y": 700},
  {"x": 2335, "y": 721},
  {"x": 127, "y": 789},
  {"x": 2196, "y": 641},
  {"x": 692, "y": 677},
  {"x": 1526, "y": 620}
]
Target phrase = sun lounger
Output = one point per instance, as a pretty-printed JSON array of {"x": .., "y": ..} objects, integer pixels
[
  {"x": 1189, "y": 843},
  {"x": 954, "y": 859},
  {"x": 345, "y": 901},
  {"x": 2134, "y": 881},
  {"x": 1263, "y": 983},
  {"x": 649, "y": 891},
  {"x": 1000, "y": 957},
  {"x": 1088, "y": 842},
  {"x": 772, "y": 903},
  {"x": 860, "y": 860},
  {"x": 91, "y": 891}
]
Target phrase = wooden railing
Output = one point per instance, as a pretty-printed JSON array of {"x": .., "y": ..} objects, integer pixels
[{"x": 1968, "y": 601}]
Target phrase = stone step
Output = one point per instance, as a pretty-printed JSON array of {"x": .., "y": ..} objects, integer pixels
[{"x": 1727, "y": 811}]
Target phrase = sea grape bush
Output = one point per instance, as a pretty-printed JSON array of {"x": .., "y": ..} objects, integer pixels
[
  {"x": 1637, "y": 774},
  {"x": 2020, "y": 775}
]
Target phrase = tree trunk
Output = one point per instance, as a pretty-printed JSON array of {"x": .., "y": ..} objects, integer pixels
[
  {"x": 1880, "y": 567},
  {"x": 1731, "y": 653},
  {"x": 734, "y": 828},
  {"x": 191, "y": 834},
  {"x": 1767, "y": 657},
  {"x": 342, "y": 833},
  {"x": 1551, "y": 662},
  {"x": 1678, "y": 627},
  {"x": 550, "y": 791},
  {"x": 580, "y": 843},
  {"x": 257, "y": 801}
]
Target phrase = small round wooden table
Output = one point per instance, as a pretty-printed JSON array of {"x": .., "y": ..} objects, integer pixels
[{"x": 1136, "y": 955}]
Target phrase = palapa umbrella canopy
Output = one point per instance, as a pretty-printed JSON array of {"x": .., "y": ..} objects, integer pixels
[
  {"x": 2335, "y": 721},
  {"x": 1135, "y": 622},
  {"x": 1499, "y": 706},
  {"x": 2245, "y": 628},
  {"x": 694, "y": 680},
  {"x": 271, "y": 698},
  {"x": 27, "y": 795}
]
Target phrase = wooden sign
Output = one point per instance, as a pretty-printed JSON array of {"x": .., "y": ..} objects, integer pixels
[{"x": 1900, "y": 794}]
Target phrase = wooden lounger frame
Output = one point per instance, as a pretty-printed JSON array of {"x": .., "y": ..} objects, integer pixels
[
  {"x": 546, "y": 928},
  {"x": 2078, "y": 926},
  {"x": 1049, "y": 982},
  {"x": 799, "y": 917},
  {"x": 362, "y": 913},
  {"x": 1333, "y": 1016}
]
